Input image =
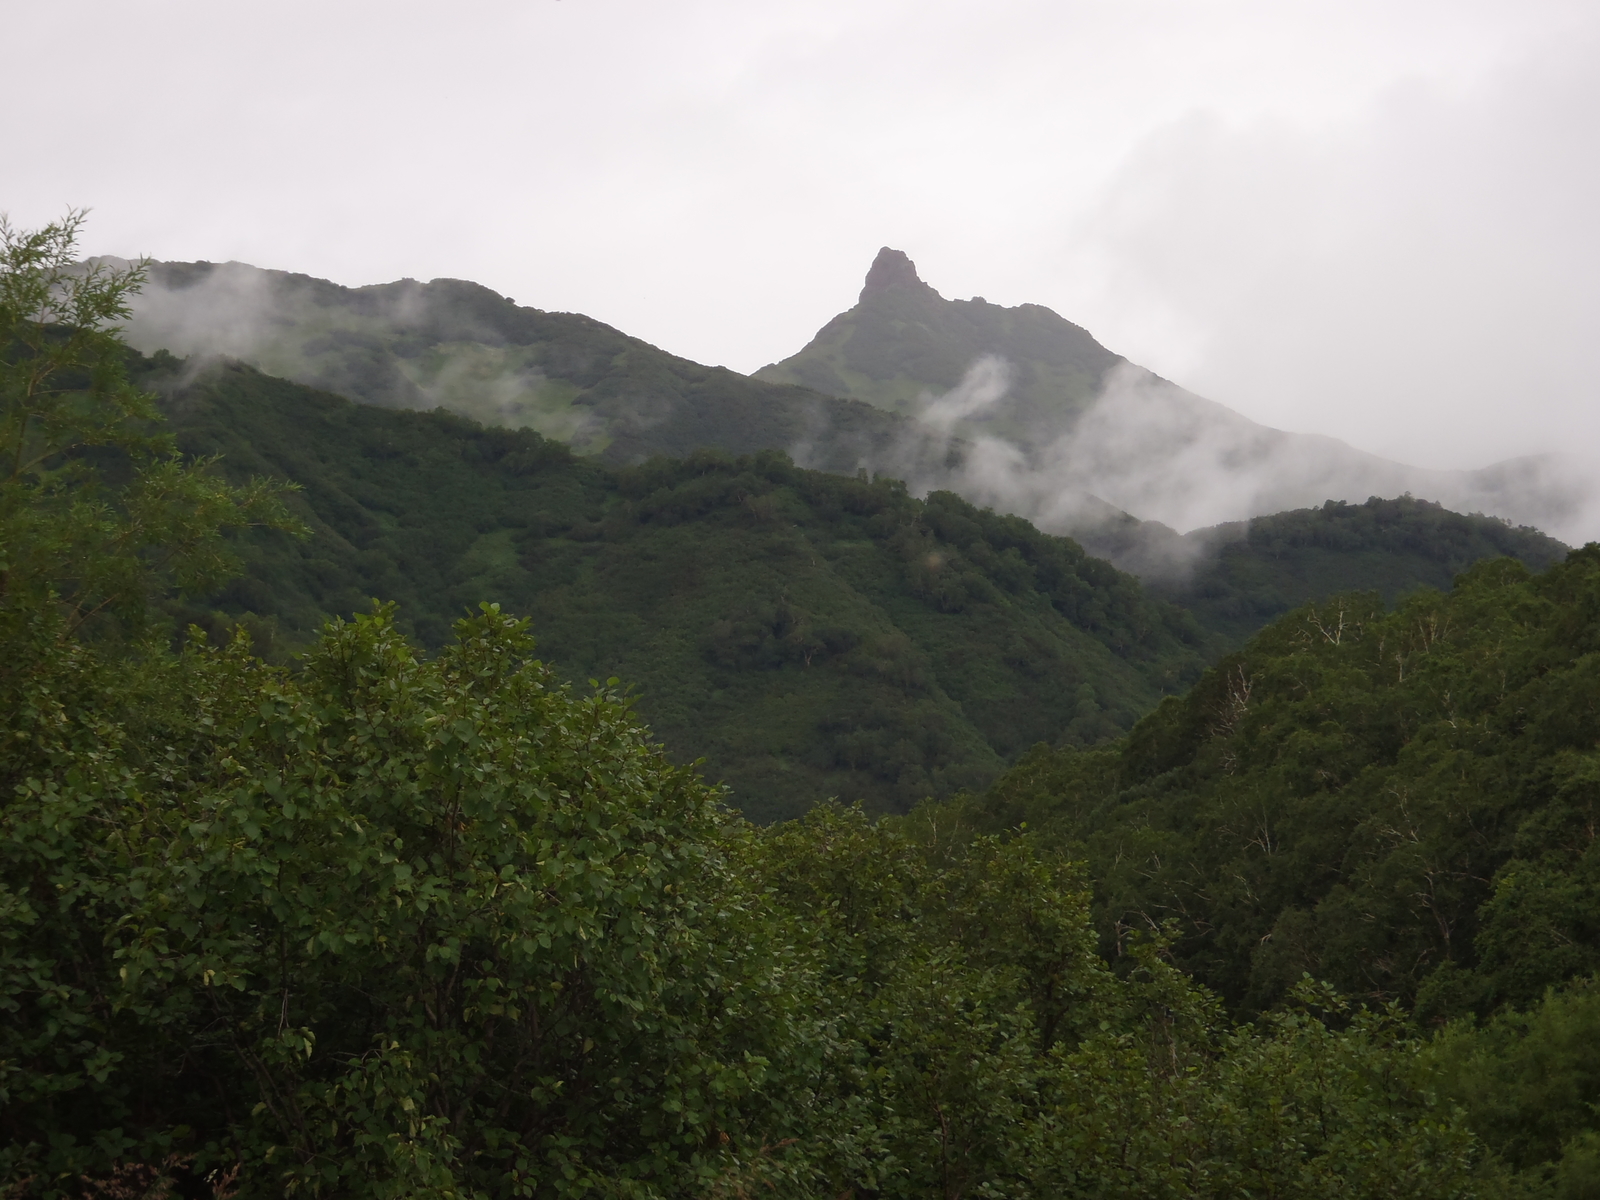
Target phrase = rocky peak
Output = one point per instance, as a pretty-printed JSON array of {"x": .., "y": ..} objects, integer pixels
[{"x": 892, "y": 268}]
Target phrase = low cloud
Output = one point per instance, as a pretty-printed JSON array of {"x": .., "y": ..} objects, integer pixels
[
  {"x": 228, "y": 309},
  {"x": 1148, "y": 448},
  {"x": 399, "y": 345},
  {"x": 1143, "y": 447}
]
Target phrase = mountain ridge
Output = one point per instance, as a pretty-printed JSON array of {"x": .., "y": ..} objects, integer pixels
[
  {"x": 456, "y": 344},
  {"x": 1043, "y": 422},
  {"x": 1054, "y": 417}
]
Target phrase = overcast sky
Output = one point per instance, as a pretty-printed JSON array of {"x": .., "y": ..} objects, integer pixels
[{"x": 1370, "y": 218}]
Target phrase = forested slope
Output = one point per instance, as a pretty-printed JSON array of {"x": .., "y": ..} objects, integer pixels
[
  {"x": 809, "y": 634},
  {"x": 1253, "y": 572},
  {"x": 1401, "y": 802}
]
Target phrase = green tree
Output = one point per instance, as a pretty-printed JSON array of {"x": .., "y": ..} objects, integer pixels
[
  {"x": 381, "y": 927},
  {"x": 976, "y": 1044},
  {"x": 1529, "y": 1081},
  {"x": 98, "y": 518},
  {"x": 98, "y": 512}
]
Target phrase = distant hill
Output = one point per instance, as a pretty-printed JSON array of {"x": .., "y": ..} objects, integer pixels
[
  {"x": 457, "y": 345},
  {"x": 1252, "y": 572},
  {"x": 809, "y": 634},
  {"x": 1059, "y": 429}
]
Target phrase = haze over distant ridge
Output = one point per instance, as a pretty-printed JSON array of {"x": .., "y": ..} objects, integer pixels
[
  {"x": 1058, "y": 427},
  {"x": 1011, "y": 407}
]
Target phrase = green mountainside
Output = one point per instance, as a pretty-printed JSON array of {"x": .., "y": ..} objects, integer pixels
[
  {"x": 1402, "y": 803},
  {"x": 1250, "y": 573},
  {"x": 408, "y": 915},
  {"x": 809, "y": 634},
  {"x": 460, "y": 346}
]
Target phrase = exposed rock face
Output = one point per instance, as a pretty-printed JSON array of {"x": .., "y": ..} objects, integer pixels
[{"x": 890, "y": 269}]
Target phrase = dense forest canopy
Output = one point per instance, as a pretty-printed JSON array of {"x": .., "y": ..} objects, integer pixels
[
  {"x": 809, "y": 634},
  {"x": 806, "y": 634},
  {"x": 411, "y": 916},
  {"x": 1255, "y": 571},
  {"x": 1402, "y": 802}
]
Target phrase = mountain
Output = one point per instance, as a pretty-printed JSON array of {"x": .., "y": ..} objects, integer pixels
[
  {"x": 1061, "y": 430},
  {"x": 1248, "y": 573},
  {"x": 1012, "y": 408},
  {"x": 903, "y": 341},
  {"x": 457, "y": 345},
  {"x": 808, "y": 634}
]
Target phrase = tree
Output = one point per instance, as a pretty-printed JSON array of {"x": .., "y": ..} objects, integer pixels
[
  {"x": 99, "y": 516},
  {"x": 98, "y": 511}
]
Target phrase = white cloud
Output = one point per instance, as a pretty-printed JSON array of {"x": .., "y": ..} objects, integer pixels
[
  {"x": 1421, "y": 281},
  {"x": 1149, "y": 448}
]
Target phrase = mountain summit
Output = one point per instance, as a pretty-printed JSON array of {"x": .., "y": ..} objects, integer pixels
[
  {"x": 904, "y": 340},
  {"x": 892, "y": 268},
  {"x": 1022, "y": 410}
]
